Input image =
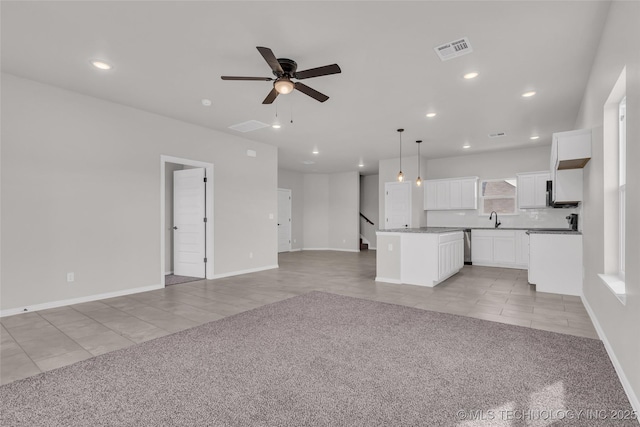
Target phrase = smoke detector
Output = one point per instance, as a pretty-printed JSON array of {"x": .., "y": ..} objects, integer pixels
[{"x": 453, "y": 49}]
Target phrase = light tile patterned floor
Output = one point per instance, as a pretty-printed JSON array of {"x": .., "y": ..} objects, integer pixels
[{"x": 44, "y": 340}]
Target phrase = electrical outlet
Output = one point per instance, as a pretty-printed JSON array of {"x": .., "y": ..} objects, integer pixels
[{"x": 71, "y": 277}]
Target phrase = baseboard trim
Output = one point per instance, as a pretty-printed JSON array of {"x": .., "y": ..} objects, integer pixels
[
  {"x": 80, "y": 300},
  {"x": 331, "y": 249},
  {"x": 387, "y": 280},
  {"x": 296, "y": 250},
  {"x": 250, "y": 270},
  {"x": 166, "y": 273},
  {"x": 626, "y": 385}
]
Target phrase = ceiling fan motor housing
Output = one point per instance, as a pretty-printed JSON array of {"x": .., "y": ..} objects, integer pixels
[{"x": 289, "y": 67}]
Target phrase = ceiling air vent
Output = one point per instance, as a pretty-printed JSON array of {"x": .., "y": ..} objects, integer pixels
[
  {"x": 248, "y": 126},
  {"x": 496, "y": 135},
  {"x": 454, "y": 49}
]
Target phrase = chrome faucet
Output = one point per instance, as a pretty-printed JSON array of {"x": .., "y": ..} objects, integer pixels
[{"x": 491, "y": 217}]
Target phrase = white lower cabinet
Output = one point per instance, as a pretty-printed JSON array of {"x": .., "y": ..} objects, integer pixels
[
  {"x": 499, "y": 248},
  {"x": 451, "y": 256},
  {"x": 427, "y": 259},
  {"x": 555, "y": 263}
]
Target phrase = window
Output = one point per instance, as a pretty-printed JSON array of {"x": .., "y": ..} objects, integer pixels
[
  {"x": 622, "y": 182},
  {"x": 615, "y": 183},
  {"x": 498, "y": 195}
]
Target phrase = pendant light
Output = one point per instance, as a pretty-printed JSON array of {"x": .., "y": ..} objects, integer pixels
[
  {"x": 400, "y": 175},
  {"x": 418, "y": 180}
]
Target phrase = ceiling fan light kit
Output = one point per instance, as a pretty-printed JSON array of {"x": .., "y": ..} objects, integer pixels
[{"x": 286, "y": 69}]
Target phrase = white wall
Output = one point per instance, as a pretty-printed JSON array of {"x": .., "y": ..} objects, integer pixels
[
  {"x": 80, "y": 192},
  {"x": 331, "y": 206},
  {"x": 388, "y": 172},
  {"x": 294, "y": 181},
  {"x": 369, "y": 200},
  {"x": 618, "y": 48},
  {"x": 344, "y": 208},
  {"x": 496, "y": 164},
  {"x": 316, "y": 211}
]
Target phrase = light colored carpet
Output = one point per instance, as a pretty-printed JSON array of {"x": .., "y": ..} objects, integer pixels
[{"x": 327, "y": 360}]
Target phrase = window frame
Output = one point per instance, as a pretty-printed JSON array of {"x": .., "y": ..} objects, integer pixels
[{"x": 482, "y": 197}]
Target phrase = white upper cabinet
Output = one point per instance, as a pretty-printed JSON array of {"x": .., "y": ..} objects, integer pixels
[
  {"x": 570, "y": 150},
  {"x": 532, "y": 189},
  {"x": 451, "y": 194}
]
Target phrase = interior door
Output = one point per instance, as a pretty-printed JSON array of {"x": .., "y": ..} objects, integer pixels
[
  {"x": 284, "y": 220},
  {"x": 189, "y": 213},
  {"x": 397, "y": 202}
]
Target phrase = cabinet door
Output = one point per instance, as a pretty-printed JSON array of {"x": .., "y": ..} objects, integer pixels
[
  {"x": 442, "y": 194},
  {"x": 455, "y": 194},
  {"x": 481, "y": 249},
  {"x": 527, "y": 191},
  {"x": 522, "y": 248},
  {"x": 504, "y": 250},
  {"x": 430, "y": 190},
  {"x": 469, "y": 193},
  {"x": 443, "y": 259}
]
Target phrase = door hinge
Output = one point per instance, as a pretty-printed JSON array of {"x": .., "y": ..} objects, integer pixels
[
  {"x": 205, "y": 260},
  {"x": 205, "y": 219},
  {"x": 205, "y": 179}
]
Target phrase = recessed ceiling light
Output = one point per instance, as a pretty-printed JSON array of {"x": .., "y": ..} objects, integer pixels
[
  {"x": 465, "y": 146},
  {"x": 469, "y": 76},
  {"x": 206, "y": 102},
  {"x": 528, "y": 94},
  {"x": 276, "y": 126},
  {"x": 534, "y": 137},
  {"x": 360, "y": 165},
  {"x": 101, "y": 65},
  {"x": 315, "y": 151},
  {"x": 430, "y": 115}
]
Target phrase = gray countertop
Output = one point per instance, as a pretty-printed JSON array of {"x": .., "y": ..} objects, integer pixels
[
  {"x": 423, "y": 230},
  {"x": 452, "y": 229}
]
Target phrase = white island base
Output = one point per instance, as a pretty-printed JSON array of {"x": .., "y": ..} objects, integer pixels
[{"x": 423, "y": 257}]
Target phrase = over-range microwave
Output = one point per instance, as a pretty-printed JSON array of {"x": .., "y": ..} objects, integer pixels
[{"x": 552, "y": 204}]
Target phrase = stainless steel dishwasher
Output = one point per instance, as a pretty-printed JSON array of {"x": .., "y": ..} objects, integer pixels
[{"x": 467, "y": 246}]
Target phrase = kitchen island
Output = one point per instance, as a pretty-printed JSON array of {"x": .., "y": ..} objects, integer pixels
[{"x": 419, "y": 256}]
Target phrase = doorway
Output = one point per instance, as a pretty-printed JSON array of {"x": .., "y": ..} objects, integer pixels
[
  {"x": 284, "y": 220},
  {"x": 186, "y": 220}
]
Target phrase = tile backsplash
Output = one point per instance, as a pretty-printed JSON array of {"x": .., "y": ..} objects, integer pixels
[{"x": 534, "y": 218}]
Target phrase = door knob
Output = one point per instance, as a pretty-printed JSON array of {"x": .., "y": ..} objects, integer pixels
[{"x": 175, "y": 228}]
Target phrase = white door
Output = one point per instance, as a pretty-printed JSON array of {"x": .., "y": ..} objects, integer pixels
[
  {"x": 189, "y": 222},
  {"x": 397, "y": 204},
  {"x": 284, "y": 220}
]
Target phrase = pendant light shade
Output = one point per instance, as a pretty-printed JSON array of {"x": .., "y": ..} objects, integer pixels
[
  {"x": 400, "y": 175},
  {"x": 418, "y": 180}
]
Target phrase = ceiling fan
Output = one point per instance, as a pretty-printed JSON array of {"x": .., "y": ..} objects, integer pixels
[{"x": 286, "y": 69}]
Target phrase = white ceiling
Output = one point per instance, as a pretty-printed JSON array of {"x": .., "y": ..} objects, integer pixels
[{"x": 167, "y": 56}]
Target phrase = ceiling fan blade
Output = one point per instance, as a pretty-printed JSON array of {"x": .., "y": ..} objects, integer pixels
[
  {"x": 271, "y": 97},
  {"x": 311, "y": 92},
  {"x": 271, "y": 59},
  {"x": 317, "y": 72},
  {"x": 264, "y": 79}
]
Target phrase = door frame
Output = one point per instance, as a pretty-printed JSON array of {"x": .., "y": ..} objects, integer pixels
[
  {"x": 209, "y": 247},
  {"x": 288, "y": 190}
]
